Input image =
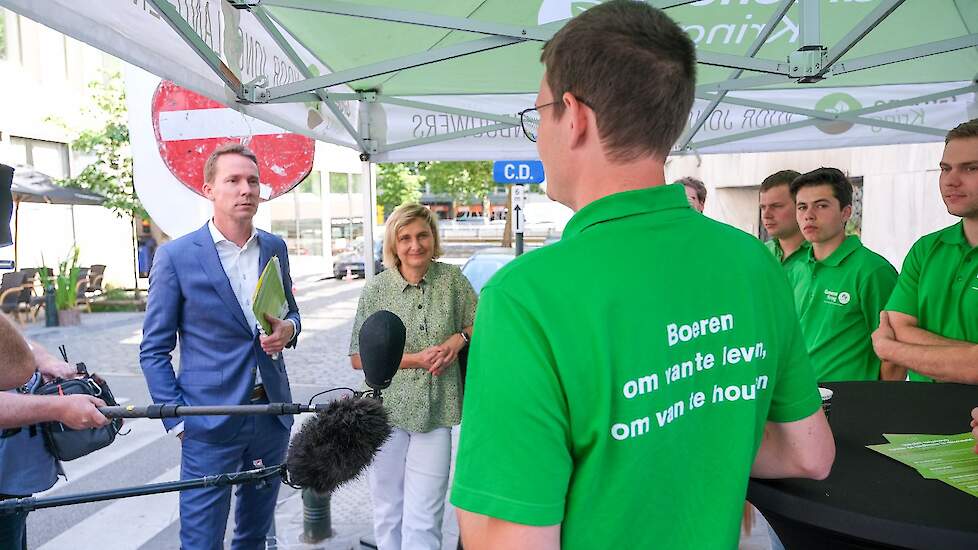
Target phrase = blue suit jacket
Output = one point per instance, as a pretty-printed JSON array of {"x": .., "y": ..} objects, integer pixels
[{"x": 190, "y": 298}]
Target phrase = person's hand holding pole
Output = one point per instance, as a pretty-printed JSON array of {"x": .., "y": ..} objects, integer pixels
[{"x": 79, "y": 411}]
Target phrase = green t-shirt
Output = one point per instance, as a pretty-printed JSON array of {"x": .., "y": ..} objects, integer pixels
[
  {"x": 628, "y": 404},
  {"x": 939, "y": 286},
  {"x": 441, "y": 305},
  {"x": 842, "y": 299},
  {"x": 795, "y": 267}
]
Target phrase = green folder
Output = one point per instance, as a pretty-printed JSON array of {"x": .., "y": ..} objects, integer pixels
[{"x": 269, "y": 295}]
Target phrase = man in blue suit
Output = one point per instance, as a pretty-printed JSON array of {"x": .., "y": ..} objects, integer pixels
[{"x": 200, "y": 291}]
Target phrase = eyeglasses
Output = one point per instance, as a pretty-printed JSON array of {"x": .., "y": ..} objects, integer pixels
[{"x": 530, "y": 119}]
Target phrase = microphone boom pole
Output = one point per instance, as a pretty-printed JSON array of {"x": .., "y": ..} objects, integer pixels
[
  {"x": 173, "y": 411},
  {"x": 30, "y": 504}
]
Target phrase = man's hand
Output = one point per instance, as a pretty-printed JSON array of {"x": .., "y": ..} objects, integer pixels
[
  {"x": 282, "y": 334},
  {"x": 50, "y": 366},
  {"x": 56, "y": 368},
  {"x": 884, "y": 338},
  {"x": 974, "y": 425},
  {"x": 80, "y": 412}
]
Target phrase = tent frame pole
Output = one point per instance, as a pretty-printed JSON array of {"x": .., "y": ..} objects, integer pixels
[
  {"x": 905, "y": 54},
  {"x": 293, "y": 56},
  {"x": 187, "y": 33},
  {"x": 431, "y": 20},
  {"x": 864, "y": 27},
  {"x": 755, "y": 47},
  {"x": 826, "y": 116},
  {"x": 390, "y": 66},
  {"x": 845, "y": 116},
  {"x": 444, "y": 137},
  {"x": 367, "y": 188}
]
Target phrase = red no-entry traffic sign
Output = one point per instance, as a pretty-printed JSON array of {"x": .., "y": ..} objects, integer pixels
[{"x": 189, "y": 126}]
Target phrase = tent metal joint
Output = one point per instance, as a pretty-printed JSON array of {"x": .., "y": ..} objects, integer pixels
[
  {"x": 807, "y": 62},
  {"x": 256, "y": 91}
]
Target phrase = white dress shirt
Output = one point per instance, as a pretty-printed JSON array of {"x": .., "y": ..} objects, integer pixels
[{"x": 241, "y": 266}]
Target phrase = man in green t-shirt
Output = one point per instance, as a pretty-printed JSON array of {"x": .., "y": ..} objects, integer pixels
[
  {"x": 625, "y": 412},
  {"x": 845, "y": 284},
  {"x": 778, "y": 216},
  {"x": 933, "y": 311}
]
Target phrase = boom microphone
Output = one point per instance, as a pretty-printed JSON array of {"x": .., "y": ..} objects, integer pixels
[
  {"x": 382, "y": 338},
  {"x": 328, "y": 450},
  {"x": 342, "y": 440},
  {"x": 338, "y": 444}
]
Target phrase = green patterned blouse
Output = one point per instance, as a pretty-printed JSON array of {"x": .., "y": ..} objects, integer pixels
[{"x": 441, "y": 305}]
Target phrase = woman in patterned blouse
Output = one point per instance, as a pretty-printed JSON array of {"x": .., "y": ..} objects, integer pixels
[{"x": 409, "y": 476}]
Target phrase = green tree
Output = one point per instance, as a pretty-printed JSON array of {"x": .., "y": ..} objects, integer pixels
[
  {"x": 397, "y": 184},
  {"x": 106, "y": 139},
  {"x": 462, "y": 181}
]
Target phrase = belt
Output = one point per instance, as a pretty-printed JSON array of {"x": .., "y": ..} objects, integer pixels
[{"x": 258, "y": 393}]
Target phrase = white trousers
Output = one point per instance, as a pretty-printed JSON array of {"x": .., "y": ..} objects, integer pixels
[{"x": 408, "y": 481}]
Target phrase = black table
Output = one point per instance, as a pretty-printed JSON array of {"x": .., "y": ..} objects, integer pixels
[{"x": 871, "y": 500}]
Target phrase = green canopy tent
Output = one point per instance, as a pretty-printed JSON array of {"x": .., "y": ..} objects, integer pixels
[
  {"x": 395, "y": 77},
  {"x": 428, "y": 80}
]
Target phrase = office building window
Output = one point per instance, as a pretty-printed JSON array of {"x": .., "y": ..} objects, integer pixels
[{"x": 297, "y": 217}]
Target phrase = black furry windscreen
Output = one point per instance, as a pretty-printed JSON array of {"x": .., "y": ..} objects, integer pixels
[{"x": 338, "y": 444}]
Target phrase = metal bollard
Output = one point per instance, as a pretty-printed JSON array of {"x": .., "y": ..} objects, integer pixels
[
  {"x": 50, "y": 307},
  {"x": 316, "y": 518}
]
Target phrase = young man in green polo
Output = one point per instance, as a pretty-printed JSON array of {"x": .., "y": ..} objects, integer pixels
[
  {"x": 778, "y": 216},
  {"x": 933, "y": 311},
  {"x": 627, "y": 413},
  {"x": 845, "y": 284}
]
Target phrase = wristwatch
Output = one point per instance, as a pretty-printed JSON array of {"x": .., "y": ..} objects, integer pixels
[{"x": 465, "y": 337}]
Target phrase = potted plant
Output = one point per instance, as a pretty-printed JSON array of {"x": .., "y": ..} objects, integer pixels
[{"x": 65, "y": 287}]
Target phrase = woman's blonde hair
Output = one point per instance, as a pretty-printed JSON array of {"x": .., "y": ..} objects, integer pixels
[{"x": 404, "y": 215}]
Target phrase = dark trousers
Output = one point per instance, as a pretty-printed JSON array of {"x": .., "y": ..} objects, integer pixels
[
  {"x": 204, "y": 512},
  {"x": 13, "y": 528}
]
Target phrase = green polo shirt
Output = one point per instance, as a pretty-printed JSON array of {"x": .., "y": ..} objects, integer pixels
[
  {"x": 795, "y": 266},
  {"x": 627, "y": 402},
  {"x": 939, "y": 286},
  {"x": 842, "y": 298}
]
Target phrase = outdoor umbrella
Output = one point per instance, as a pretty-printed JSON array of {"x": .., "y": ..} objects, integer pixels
[{"x": 30, "y": 185}]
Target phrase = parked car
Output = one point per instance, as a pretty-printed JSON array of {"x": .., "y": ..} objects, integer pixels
[
  {"x": 352, "y": 261},
  {"x": 482, "y": 265}
]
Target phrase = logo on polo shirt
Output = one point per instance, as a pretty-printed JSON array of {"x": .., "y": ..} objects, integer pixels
[{"x": 837, "y": 298}]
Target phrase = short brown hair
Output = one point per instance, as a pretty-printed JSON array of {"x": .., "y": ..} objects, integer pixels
[
  {"x": 16, "y": 359},
  {"x": 963, "y": 131},
  {"x": 782, "y": 177},
  {"x": 833, "y": 177},
  {"x": 230, "y": 148},
  {"x": 695, "y": 185},
  {"x": 403, "y": 215},
  {"x": 634, "y": 67}
]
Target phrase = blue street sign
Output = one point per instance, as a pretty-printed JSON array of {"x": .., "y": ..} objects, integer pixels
[
  {"x": 6, "y": 264},
  {"x": 517, "y": 171}
]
